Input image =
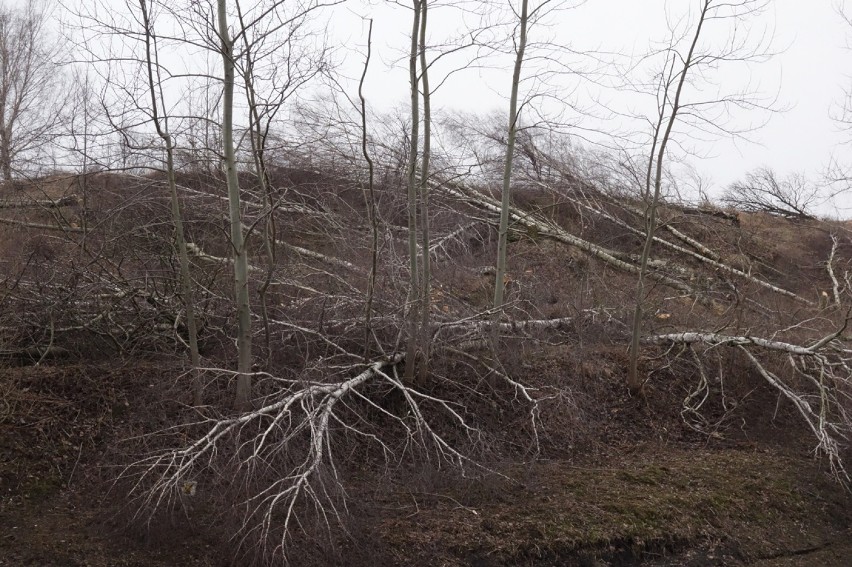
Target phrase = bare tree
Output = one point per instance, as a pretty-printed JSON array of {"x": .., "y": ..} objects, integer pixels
[
  {"x": 762, "y": 192},
  {"x": 238, "y": 248},
  {"x": 30, "y": 99},
  {"x": 414, "y": 305},
  {"x": 425, "y": 288},
  {"x": 661, "y": 138},
  {"x": 672, "y": 107},
  {"x": 161, "y": 124},
  {"x": 503, "y": 231},
  {"x": 370, "y": 200}
]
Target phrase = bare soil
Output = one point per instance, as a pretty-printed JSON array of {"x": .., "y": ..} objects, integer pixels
[
  {"x": 619, "y": 481},
  {"x": 659, "y": 501}
]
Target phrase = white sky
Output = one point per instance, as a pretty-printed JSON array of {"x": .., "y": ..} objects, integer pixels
[{"x": 808, "y": 75}]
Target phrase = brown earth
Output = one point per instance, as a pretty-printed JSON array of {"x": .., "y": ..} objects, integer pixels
[
  {"x": 660, "y": 501},
  {"x": 619, "y": 481}
]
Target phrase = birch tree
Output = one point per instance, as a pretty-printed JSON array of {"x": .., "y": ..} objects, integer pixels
[
  {"x": 161, "y": 124},
  {"x": 273, "y": 70},
  {"x": 426, "y": 291},
  {"x": 369, "y": 198},
  {"x": 503, "y": 230},
  {"x": 243, "y": 392},
  {"x": 672, "y": 107},
  {"x": 414, "y": 305}
]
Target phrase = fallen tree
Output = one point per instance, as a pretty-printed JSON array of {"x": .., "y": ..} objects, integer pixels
[
  {"x": 550, "y": 230},
  {"x": 704, "y": 254},
  {"x": 815, "y": 378},
  {"x": 287, "y": 445},
  {"x": 69, "y": 201}
]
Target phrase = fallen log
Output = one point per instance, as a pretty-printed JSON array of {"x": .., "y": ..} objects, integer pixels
[
  {"x": 554, "y": 232},
  {"x": 68, "y": 201},
  {"x": 41, "y": 225}
]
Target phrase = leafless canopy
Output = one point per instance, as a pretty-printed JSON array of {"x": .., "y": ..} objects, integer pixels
[
  {"x": 763, "y": 192},
  {"x": 29, "y": 83}
]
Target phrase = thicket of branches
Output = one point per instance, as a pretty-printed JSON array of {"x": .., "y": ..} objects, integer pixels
[{"x": 328, "y": 267}]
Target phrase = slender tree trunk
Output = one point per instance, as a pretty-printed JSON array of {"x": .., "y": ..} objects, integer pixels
[
  {"x": 5, "y": 156},
  {"x": 162, "y": 128},
  {"x": 258, "y": 147},
  {"x": 414, "y": 287},
  {"x": 503, "y": 231},
  {"x": 370, "y": 196},
  {"x": 5, "y": 120},
  {"x": 426, "y": 292},
  {"x": 635, "y": 382},
  {"x": 243, "y": 393}
]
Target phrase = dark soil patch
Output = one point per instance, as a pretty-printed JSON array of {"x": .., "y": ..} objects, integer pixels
[
  {"x": 659, "y": 506},
  {"x": 667, "y": 502}
]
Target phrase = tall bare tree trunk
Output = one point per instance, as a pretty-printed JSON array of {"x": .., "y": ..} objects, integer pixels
[
  {"x": 503, "y": 231},
  {"x": 634, "y": 381},
  {"x": 31, "y": 95},
  {"x": 243, "y": 393},
  {"x": 161, "y": 125},
  {"x": 414, "y": 302},
  {"x": 257, "y": 136},
  {"x": 5, "y": 158},
  {"x": 426, "y": 292},
  {"x": 370, "y": 197}
]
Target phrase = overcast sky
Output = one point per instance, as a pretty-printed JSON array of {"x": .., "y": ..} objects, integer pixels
[{"x": 808, "y": 74}]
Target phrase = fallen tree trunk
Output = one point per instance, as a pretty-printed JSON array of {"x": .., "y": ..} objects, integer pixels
[
  {"x": 68, "y": 201},
  {"x": 701, "y": 257},
  {"x": 331, "y": 260},
  {"x": 734, "y": 218},
  {"x": 824, "y": 380},
  {"x": 41, "y": 226},
  {"x": 549, "y": 230}
]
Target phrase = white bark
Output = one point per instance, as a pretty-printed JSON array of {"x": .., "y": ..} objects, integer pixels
[
  {"x": 701, "y": 257},
  {"x": 243, "y": 392},
  {"x": 835, "y": 285},
  {"x": 825, "y": 368},
  {"x": 549, "y": 230},
  {"x": 306, "y": 411},
  {"x": 68, "y": 201}
]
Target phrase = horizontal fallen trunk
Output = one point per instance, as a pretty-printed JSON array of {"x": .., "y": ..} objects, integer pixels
[
  {"x": 68, "y": 201},
  {"x": 512, "y": 326},
  {"x": 549, "y": 230},
  {"x": 734, "y": 218},
  {"x": 818, "y": 381},
  {"x": 41, "y": 226},
  {"x": 716, "y": 339}
]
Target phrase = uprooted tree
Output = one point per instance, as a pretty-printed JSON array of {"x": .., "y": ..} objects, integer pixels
[{"x": 343, "y": 282}]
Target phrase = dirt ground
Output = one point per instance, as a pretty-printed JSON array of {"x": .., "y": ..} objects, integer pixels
[{"x": 652, "y": 503}]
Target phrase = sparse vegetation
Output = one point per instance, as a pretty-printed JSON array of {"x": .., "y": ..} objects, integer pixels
[{"x": 395, "y": 403}]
